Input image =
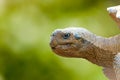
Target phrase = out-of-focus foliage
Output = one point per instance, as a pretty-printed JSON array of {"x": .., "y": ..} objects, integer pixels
[{"x": 25, "y": 28}]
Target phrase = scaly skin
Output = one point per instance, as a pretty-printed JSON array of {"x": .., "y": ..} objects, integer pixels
[{"x": 80, "y": 43}]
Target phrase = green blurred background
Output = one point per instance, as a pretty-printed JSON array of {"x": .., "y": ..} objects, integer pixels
[{"x": 25, "y": 29}]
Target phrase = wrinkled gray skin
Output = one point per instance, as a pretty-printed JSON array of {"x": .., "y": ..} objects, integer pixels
[{"x": 80, "y": 43}]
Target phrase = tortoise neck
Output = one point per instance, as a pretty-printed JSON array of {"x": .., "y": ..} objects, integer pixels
[
  {"x": 98, "y": 56},
  {"x": 114, "y": 43},
  {"x": 111, "y": 44},
  {"x": 101, "y": 51}
]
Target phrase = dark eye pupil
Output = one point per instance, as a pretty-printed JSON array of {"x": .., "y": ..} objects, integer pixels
[{"x": 66, "y": 35}]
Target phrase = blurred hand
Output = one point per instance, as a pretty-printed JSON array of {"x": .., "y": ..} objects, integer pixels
[{"x": 115, "y": 13}]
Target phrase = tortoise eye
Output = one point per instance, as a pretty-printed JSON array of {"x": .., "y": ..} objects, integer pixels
[{"x": 66, "y": 35}]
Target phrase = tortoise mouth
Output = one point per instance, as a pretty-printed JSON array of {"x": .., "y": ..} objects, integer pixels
[
  {"x": 53, "y": 47},
  {"x": 62, "y": 46}
]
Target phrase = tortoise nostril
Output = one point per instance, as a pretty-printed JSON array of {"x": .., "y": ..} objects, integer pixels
[
  {"x": 53, "y": 47},
  {"x": 52, "y": 34}
]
